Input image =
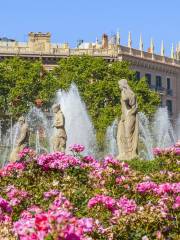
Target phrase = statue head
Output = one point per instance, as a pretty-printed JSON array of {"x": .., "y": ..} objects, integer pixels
[
  {"x": 56, "y": 107},
  {"x": 123, "y": 83},
  {"x": 21, "y": 120}
]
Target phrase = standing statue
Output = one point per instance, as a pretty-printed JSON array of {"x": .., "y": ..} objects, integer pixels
[
  {"x": 22, "y": 140},
  {"x": 127, "y": 133},
  {"x": 60, "y": 138}
]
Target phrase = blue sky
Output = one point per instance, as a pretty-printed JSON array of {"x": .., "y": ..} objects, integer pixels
[{"x": 70, "y": 20}]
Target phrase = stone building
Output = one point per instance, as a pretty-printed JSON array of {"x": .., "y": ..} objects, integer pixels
[{"x": 162, "y": 72}]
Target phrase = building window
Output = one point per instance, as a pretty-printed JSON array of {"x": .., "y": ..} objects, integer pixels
[
  {"x": 168, "y": 83},
  {"x": 148, "y": 78},
  {"x": 169, "y": 90},
  {"x": 138, "y": 75},
  {"x": 161, "y": 101},
  {"x": 169, "y": 106},
  {"x": 158, "y": 82}
]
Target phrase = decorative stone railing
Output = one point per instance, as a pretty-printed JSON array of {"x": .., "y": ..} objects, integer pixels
[
  {"x": 109, "y": 53},
  {"x": 147, "y": 55}
]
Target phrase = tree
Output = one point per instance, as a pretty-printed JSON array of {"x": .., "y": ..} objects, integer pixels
[
  {"x": 21, "y": 83},
  {"x": 97, "y": 81}
]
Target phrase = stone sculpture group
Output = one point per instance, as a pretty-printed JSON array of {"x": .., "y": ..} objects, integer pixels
[
  {"x": 59, "y": 138},
  {"x": 127, "y": 131}
]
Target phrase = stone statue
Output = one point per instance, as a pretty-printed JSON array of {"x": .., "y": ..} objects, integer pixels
[
  {"x": 60, "y": 137},
  {"x": 127, "y": 133},
  {"x": 22, "y": 140}
]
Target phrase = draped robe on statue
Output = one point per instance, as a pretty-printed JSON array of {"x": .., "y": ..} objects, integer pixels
[{"x": 127, "y": 134}]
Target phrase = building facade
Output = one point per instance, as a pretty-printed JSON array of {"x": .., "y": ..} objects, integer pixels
[{"x": 161, "y": 72}]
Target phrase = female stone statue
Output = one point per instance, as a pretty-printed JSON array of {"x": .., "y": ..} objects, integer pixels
[
  {"x": 22, "y": 141},
  {"x": 60, "y": 137},
  {"x": 127, "y": 133}
]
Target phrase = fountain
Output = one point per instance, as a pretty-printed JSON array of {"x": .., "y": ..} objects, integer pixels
[
  {"x": 156, "y": 133},
  {"x": 41, "y": 130},
  {"x": 40, "y": 134},
  {"x": 38, "y": 146},
  {"x": 177, "y": 128},
  {"x": 8, "y": 143},
  {"x": 162, "y": 129},
  {"x": 111, "y": 144},
  {"x": 78, "y": 125},
  {"x": 145, "y": 138}
]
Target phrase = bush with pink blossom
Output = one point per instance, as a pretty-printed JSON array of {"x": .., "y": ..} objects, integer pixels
[{"x": 62, "y": 196}]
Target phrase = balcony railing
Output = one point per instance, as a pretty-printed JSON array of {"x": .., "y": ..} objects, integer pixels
[
  {"x": 157, "y": 88},
  {"x": 161, "y": 90},
  {"x": 170, "y": 113},
  {"x": 153, "y": 87},
  {"x": 169, "y": 92}
]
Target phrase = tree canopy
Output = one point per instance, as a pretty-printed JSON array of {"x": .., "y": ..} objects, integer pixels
[
  {"x": 22, "y": 82},
  {"x": 97, "y": 81}
]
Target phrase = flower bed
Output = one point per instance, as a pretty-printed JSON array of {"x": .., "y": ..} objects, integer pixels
[
  {"x": 58, "y": 196},
  {"x": 173, "y": 150}
]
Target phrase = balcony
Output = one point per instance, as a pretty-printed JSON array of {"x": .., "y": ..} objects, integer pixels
[
  {"x": 160, "y": 90},
  {"x": 152, "y": 87},
  {"x": 170, "y": 114},
  {"x": 169, "y": 92}
]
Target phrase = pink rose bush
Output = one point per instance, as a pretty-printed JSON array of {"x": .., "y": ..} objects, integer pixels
[
  {"x": 5, "y": 206},
  {"x": 5, "y": 211},
  {"x": 57, "y": 221},
  {"x": 77, "y": 148},
  {"x": 58, "y": 161},
  {"x": 60, "y": 196},
  {"x": 117, "y": 207},
  {"x": 15, "y": 196},
  {"x": 25, "y": 152},
  {"x": 12, "y": 168},
  {"x": 173, "y": 150},
  {"x": 51, "y": 193},
  {"x": 159, "y": 189},
  {"x": 176, "y": 202}
]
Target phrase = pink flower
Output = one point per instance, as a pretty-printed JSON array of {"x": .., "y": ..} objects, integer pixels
[
  {"x": 15, "y": 196},
  {"x": 107, "y": 201},
  {"x": 77, "y": 148},
  {"x": 58, "y": 160},
  {"x": 109, "y": 160},
  {"x": 163, "y": 188},
  {"x": 127, "y": 206},
  {"x": 117, "y": 207},
  {"x": 159, "y": 235},
  {"x": 145, "y": 187},
  {"x": 41, "y": 222},
  {"x": 174, "y": 150},
  {"x": 89, "y": 159},
  {"x": 145, "y": 238},
  {"x": 176, "y": 202},
  {"x": 26, "y": 152},
  {"x": 5, "y": 206},
  {"x": 51, "y": 193},
  {"x": 121, "y": 179},
  {"x": 11, "y": 168},
  {"x": 31, "y": 211}
]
